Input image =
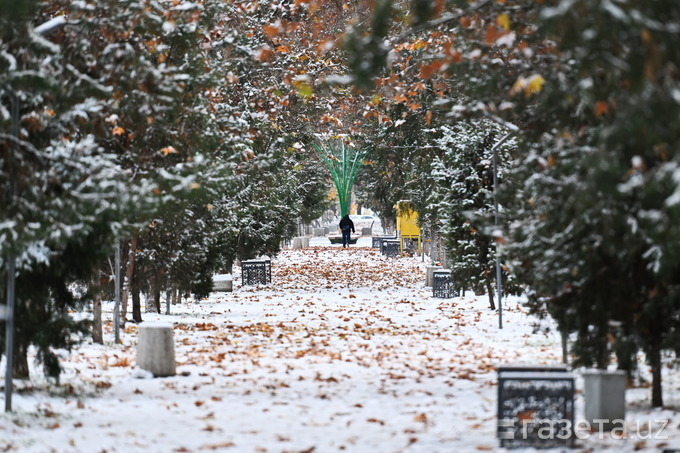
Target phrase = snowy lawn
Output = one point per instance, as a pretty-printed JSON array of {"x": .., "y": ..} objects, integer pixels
[{"x": 345, "y": 351}]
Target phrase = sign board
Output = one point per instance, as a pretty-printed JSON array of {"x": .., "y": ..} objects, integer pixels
[
  {"x": 407, "y": 220},
  {"x": 535, "y": 409},
  {"x": 256, "y": 272}
]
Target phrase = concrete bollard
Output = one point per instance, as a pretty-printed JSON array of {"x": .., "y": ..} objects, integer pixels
[
  {"x": 366, "y": 231},
  {"x": 305, "y": 242},
  {"x": 297, "y": 243},
  {"x": 318, "y": 232},
  {"x": 604, "y": 394},
  {"x": 223, "y": 282},
  {"x": 428, "y": 277},
  {"x": 156, "y": 349}
]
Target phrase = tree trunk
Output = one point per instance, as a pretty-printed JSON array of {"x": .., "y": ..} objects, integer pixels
[
  {"x": 655, "y": 361},
  {"x": 128, "y": 278},
  {"x": 136, "y": 302},
  {"x": 153, "y": 302},
  {"x": 97, "y": 331},
  {"x": 20, "y": 368},
  {"x": 157, "y": 290},
  {"x": 489, "y": 291}
]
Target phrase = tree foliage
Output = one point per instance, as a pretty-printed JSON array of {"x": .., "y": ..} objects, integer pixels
[{"x": 590, "y": 204}]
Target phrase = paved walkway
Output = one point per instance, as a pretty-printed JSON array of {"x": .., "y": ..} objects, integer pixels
[{"x": 345, "y": 351}]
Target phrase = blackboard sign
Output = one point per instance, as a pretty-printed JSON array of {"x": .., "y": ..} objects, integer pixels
[
  {"x": 442, "y": 286},
  {"x": 256, "y": 272},
  {"x": 535, "y": 409}
]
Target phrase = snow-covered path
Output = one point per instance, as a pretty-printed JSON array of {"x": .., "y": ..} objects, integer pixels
[{"x": 345, "y": 351}]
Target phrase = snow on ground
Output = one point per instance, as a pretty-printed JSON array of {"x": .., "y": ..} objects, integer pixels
[{"x": 345, "y": 351}]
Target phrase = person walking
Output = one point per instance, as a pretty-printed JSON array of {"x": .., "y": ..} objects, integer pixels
[{"x": 347, "y": 227}]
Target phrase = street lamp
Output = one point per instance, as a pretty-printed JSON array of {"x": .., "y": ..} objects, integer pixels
[{"x": 499, "y": 279}]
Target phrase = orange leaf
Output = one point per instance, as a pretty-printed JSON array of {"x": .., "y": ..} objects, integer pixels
[
  {"x": 265, "y": 54},
  {"x": 270, "y": 31},
  {"x": 551, "y": 161},
  {"x": 118, "y": 130},
  {"x": 428, "y": 117},
  {"x": 426, "y": 71},
  {"x": 168, "y": 150},
  {"x": 601, "y": 108},
  {"x": 492, "y": 34},
  {"x": 400, "y": 98}
]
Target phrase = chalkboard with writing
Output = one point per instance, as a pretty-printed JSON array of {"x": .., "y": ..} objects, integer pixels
[{"x": 535, "y": 409}]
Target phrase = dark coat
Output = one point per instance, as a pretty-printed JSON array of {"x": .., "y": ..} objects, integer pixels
[{"x": 346, "y": 222}]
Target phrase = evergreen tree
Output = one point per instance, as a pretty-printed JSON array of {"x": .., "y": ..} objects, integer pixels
[
  {"x": 589, "y": 87},
  {"x": 67, "y": 196},
  {"x": 464, "y": 201}
]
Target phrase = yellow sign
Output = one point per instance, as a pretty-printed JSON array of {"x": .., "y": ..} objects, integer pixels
[{"x": 407, "y": 220}]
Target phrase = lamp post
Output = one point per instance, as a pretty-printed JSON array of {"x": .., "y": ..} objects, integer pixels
[
  {"x": 8, "y": 314},
  {"x": 499, "y": 277}
]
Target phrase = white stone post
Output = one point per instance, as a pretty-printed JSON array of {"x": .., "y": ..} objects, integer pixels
[
  {"x": 429, "y": 276},
  {"x": 223, "y": 282},
  {"x": 605, "y": 398},
  {"x": 156, "y": 349}
]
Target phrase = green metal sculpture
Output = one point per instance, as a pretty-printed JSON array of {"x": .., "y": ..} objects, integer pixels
[{"x": 344, "y": 162}]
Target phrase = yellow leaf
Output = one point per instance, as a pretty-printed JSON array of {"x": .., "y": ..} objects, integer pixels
[
  {"x": 503, "y": 21},
  {"x": 534, "y": 84},
  {"x": 305, "y": 90}
]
